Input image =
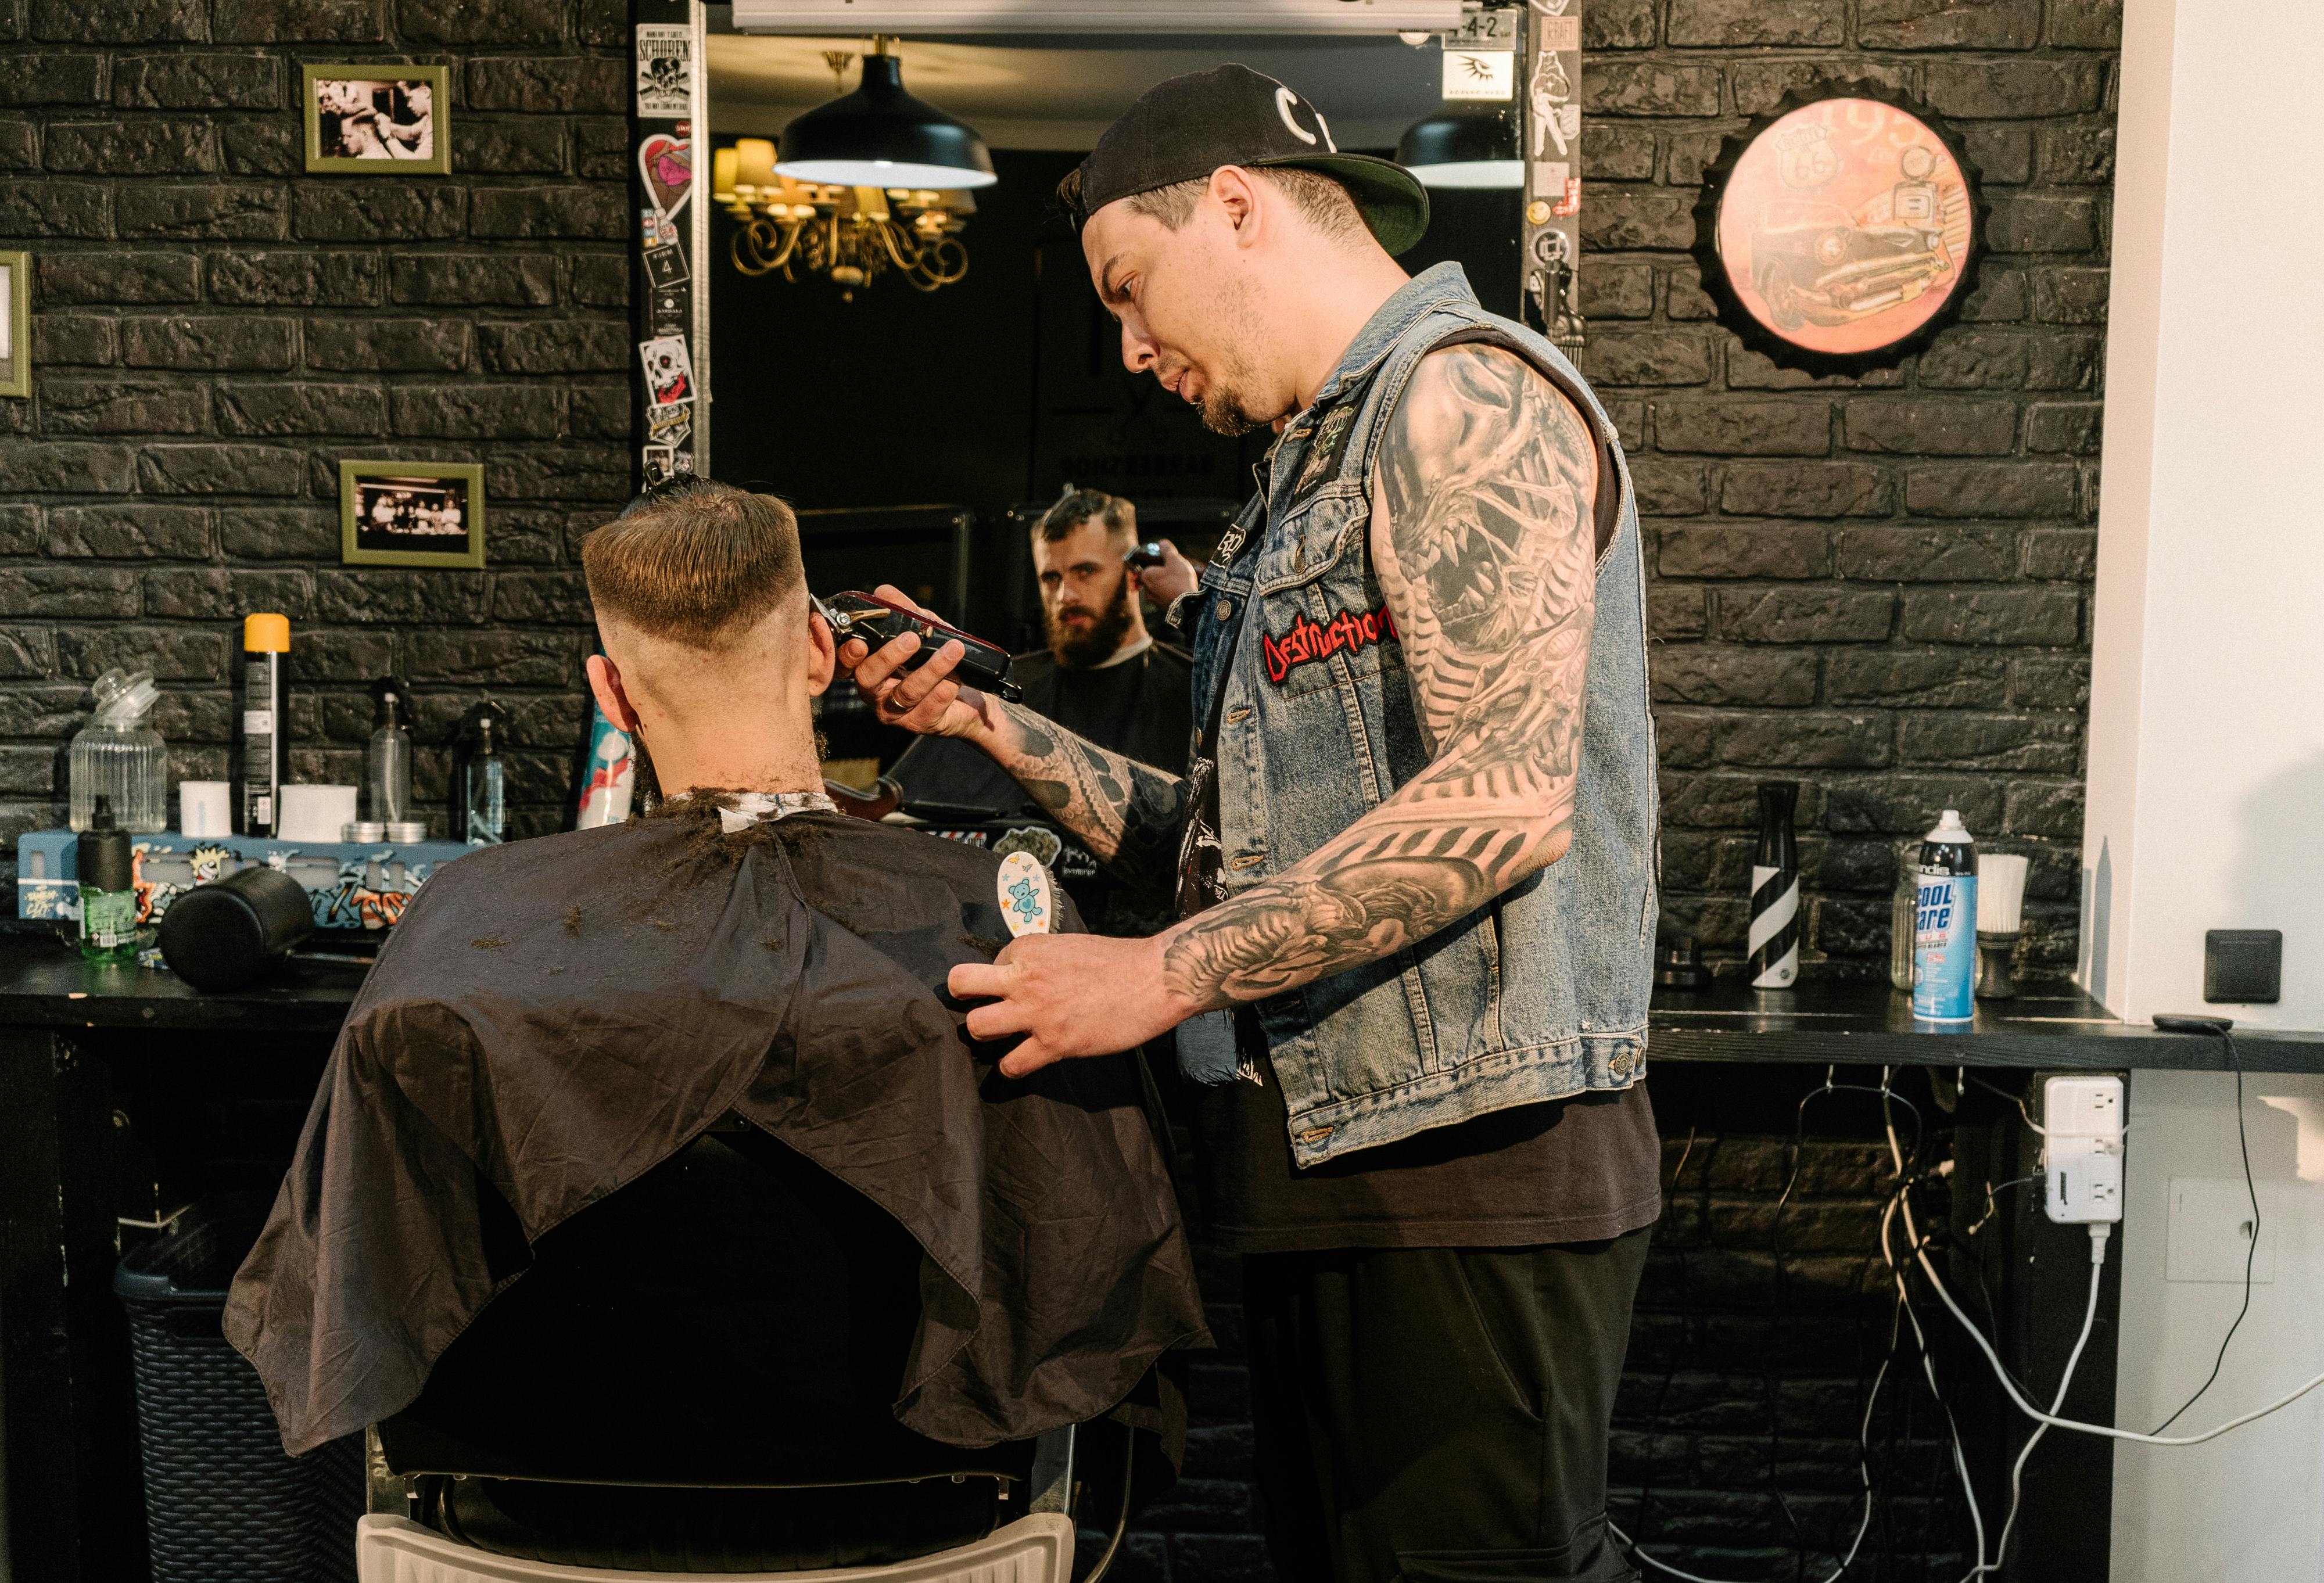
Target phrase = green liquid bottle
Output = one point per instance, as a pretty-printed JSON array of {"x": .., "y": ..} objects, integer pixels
[{"x": 108, "y": 887}]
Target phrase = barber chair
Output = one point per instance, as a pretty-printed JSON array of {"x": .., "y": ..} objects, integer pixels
[{"x": 694, "y": 1377}]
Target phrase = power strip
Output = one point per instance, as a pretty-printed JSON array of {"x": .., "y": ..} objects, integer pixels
[{"x": 2082, "y": 1148}]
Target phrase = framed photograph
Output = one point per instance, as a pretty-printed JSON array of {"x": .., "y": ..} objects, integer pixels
[
  {"x": 378, "y": 118},
  {"x": 1839, "y": 233},
  {"x": 411, "y": 514},
  {"x": 15, "y": 324}
]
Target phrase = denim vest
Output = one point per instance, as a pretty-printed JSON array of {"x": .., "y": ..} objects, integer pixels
[{"x": 1542, "y": 993}]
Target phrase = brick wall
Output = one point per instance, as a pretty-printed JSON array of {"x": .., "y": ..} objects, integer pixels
[
  {"x": 213, "y": 330},
  {"x": 1879, "y": 586}
]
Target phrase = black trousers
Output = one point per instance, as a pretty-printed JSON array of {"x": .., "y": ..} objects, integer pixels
[{"x": 1439, "y": 1415}]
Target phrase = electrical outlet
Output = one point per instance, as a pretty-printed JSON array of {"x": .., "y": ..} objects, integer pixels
[{"x": 2082, "y": 1106}]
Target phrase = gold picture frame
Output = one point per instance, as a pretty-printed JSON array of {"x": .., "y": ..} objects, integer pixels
[
  {"x": 15, "y": 324},
  {"x": 368, "y": 106},
  {"x": 392, "y": 512}
]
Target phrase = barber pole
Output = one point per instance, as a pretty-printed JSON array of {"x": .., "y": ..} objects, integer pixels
[{"x": 1775, "y": 891}]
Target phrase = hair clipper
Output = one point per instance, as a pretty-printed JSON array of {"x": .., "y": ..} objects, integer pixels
[{"x": 856, "y": 614}]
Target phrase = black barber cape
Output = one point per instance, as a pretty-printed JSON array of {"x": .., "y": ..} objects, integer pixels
[{"x": 552, "y": 1018}]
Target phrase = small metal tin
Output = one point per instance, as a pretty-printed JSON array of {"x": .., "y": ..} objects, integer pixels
[
  {"x": 404, "y": 831},
  {"x": 360, "y": 830}
]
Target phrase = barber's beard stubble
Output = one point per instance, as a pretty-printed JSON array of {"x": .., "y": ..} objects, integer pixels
[
  {"x": 1095, "y": 644},
  {"x": 1225, "y": 406}
]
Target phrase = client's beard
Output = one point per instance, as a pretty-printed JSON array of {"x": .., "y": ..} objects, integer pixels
[{"x": 1095, "y": 644}]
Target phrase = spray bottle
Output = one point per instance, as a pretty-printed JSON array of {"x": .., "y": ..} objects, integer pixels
[
  {"x": 108, "y": 871},
  {"x": 1944, "y": 924}
]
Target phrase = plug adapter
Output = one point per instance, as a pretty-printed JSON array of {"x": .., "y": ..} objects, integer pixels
[{"x": 2082, "y": 1148}]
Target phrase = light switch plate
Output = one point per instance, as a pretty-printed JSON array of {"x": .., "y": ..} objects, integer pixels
[{"x": 2209, "y": 1231}]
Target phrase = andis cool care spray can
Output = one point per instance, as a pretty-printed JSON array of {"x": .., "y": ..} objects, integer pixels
[{"x": 1944, "y": 925}]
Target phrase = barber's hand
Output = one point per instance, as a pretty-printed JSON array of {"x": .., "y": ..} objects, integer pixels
[
  {"x": 1176, "y": 575},
  {"x": 926, "y": 700},
  {"x": 1069, "y": 994}
]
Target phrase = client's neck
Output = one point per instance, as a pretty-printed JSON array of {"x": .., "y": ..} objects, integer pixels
[{"x": 738, "y": 752}]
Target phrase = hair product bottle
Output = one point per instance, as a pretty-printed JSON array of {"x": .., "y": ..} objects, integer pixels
[
  {"x": 108, "y": 872},
  {"x": 1774, "y": 937},
  {"x": 259, "y": 757},
  {"x": 1944, "y": 925}
]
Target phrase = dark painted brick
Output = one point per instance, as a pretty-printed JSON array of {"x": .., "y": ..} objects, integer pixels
[
  {"x": 1680, "y": 610},
  {"x": 1693, "y": 152},
  {"x": 118, "y": 22},
  {"x": 2070, "y": 295},
  {"x": 1743, "y": 550},
  {"x": 1617, "y": 290},
  {"x": 52, "y": 79},
  {"x": 1931, "y": 678},
  {"x": 20, "y": 529},
  {"x": 2045, "y": 616},
  {"x": 1803, "y": 739},
  {"x": 1646, "y": 357},
  {"x": 465, "y": 412},
  {"x": 599, "y": 211},
  {"x": 2001, "y": 295},
  {"x": 603, "y": 412},
  {"x": 280, "y": 533},
  {"x": 74, "y": 337},
  {"x": 555, "y": 347},
  {"x": 209, "y": 341},
  {"x": 1988, "y": 360},
  {"x": 1625, "y": 219},
  {"x": 1748, "y": 370},
  {"x": 602, "y": 148},
  {"x": 596, "y": 474},
  {"x": 1727, "y": 427},
  {"x": 555, "y": 85},
  {"x": 1621, "y": 153},
  {"x": 370, "y": 595},
  {"x": 501, "y": 279},
  {"x": 122, "y": 406},
  {"x": 1956, "y": 739},
  {"x": 1925, "y": 553},
  {"x": 53, "y": 208},
  {"x": 2006, "y": 90},
  {"x": 1931, "y": 426},
  {"x": 67, "y": 592},
  {"x": 2042, "y": 225},
  {"x": 288, "y": 22},
  {"x": 1649, "y": 88},
  {"x": 220, "y": 469},
  {"x": 113, "y": 276},
  {"x": 2044, "y": 808},
  {"x": 2050, "y": 681},
  {"x": 2085, "y": 24},
  {"x": 2003, "y": 155},
  {"x": 600, "y": 280},
  {"x": 2018, "y": 489},
  {"x": 1669, "y": 489},
  {"x": 206, "y": 593},
  {"x": 129, "y": 532},
  {"x": 483, "y": 21},
  {"x": 1759, "y": 85},
  {"x": 130, "y": 148},
  {"x": 1906, "y": 804},
  {"x": 509, "y": 145},
  {"x": 270, "y": 147},
  {"x": 1618, "y": 24},
  {"x": 378, "y": 209},
  {"x": 288, "y": 407},
  {"x": 19, "y": 144},
  {"x": 1683, "y": 298},
  {"x": 540, "y": 597},
  {"x": 1729, "y": 23},
  {"x": 521, "y": 658},
  {"x": 1682, "y": 737},
  {"x": 2068, "y": 553},
  {"x": 1825, "y": 489},
  {"x": 198, "y": 80},
  {"x": 1949, "y": 25},
  {"x": 294, "y": 278},
  {"x": 330, "y": 655},
  {"x": 61, "y": 467},
  {"x": 241, "y": 211},
  {"x": 1717, "y": 674},
  {"x": 2078, "y": 155},
  {"x": 1807, "y": 614},
  {"x": 358, "y": 345}
]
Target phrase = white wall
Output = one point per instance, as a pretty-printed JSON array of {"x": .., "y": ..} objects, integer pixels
[
  {"x": 2207, "y": 711},
  {"x": 2249, "y": 1505}
]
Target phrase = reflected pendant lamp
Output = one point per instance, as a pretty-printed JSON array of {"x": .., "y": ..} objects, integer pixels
[
  {"x": 881, "y": 136},
  {"x": 1463, "y": 147}
]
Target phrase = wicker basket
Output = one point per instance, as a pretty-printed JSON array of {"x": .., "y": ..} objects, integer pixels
[{"x": 223, "y": 1504}]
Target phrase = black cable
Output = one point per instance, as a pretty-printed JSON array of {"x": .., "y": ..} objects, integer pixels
[{"x": 2243, "y": 1143}]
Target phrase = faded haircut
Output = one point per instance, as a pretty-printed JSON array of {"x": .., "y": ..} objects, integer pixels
[
  {"x": 1322, "y": 200},
  {"x": 695, "y": 561},
  {"x": 1117, "y": 516}
]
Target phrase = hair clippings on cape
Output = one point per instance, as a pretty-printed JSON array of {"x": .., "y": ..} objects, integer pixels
[{"x": 877, "y": 620}]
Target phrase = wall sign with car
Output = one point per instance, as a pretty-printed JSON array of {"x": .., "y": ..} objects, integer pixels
[{"x": 1842, "y": 232}]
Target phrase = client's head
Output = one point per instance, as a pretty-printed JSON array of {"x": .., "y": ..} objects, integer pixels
[{"x": 711, "y": 650}]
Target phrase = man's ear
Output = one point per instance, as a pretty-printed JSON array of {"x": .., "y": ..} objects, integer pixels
[
  {"x": 605, "y": 687},
  {"x": 1237, "y": 191},
  {"x": 823, "y": 653}
]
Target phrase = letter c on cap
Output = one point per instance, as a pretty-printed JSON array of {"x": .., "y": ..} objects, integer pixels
[{"x": 1284, "y": 99}]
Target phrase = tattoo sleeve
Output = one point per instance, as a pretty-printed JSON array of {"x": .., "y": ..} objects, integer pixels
[
  {"x": 1481, "y": 535},
  {"x": 1127, "y": 813}
]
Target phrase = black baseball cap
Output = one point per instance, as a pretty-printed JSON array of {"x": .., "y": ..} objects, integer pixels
[{"x": 1184, "y": 129}]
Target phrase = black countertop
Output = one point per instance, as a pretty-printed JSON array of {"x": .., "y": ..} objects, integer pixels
[{"x": 45, "y": 984}]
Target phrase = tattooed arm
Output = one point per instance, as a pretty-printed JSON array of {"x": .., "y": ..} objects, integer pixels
[{"x": 1481, "y": 533}]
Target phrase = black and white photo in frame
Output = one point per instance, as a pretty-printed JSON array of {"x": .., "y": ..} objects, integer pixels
[{"x": 376, "y": 118}]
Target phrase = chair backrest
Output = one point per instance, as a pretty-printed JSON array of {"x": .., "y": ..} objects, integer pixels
[{"x": 735, "y": 1318}]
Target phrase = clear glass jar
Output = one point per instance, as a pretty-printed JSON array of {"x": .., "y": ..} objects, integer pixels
[{"x": 117, "y": 755}]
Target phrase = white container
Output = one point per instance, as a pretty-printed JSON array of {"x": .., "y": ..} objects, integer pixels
[
  {"x": 316, "y": 813},
  {"x": 205, "y": 808}
]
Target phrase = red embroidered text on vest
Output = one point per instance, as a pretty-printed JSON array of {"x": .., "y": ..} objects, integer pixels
[{"x": 1310, "y": 640}]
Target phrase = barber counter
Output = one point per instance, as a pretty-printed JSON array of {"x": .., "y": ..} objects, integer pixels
[{"x": 125, "y": 1095}]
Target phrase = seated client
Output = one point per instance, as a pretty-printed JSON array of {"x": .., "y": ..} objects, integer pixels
[{"x": 553, "y": 1018}]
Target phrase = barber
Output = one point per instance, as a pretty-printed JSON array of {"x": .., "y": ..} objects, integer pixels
[{"x": 1415, "y": 849}]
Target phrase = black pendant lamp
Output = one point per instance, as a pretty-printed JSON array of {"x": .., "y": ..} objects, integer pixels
[
  {"x": 1464, "y": 146},
  {"x": 881, "y": 136}
]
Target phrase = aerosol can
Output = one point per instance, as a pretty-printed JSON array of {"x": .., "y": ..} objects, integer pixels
[{"x": 1944, "y": 925}]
